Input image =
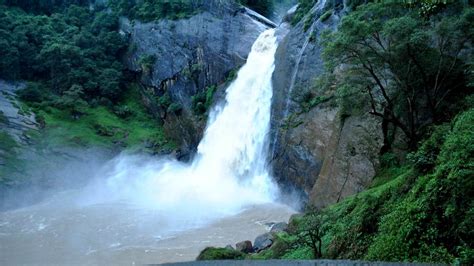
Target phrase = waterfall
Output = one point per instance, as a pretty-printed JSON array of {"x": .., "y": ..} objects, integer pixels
[
  {"x": 144, "y": 210},
  {"x": 229, "y": 170}
]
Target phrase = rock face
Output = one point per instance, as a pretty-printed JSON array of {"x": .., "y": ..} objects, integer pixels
[
  {"x": 13, "y": 120},
  {"x": 279, "y": 227},
  {"x": 188, "y": 56},
  {"x": 244, "y": 246},
  {"x": 16, "y": 125},
  {"x": 316, "y": 154},
  {"x": 263, "y": 242}
]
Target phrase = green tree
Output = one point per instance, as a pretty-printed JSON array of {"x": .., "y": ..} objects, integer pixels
[
  {"x": 312, "y": 230},
  {"x": 408, "y": 67},
  {"x": 72, "y": 101}
]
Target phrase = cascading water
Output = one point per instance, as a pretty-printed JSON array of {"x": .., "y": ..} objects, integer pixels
[
  {"x": 317, "y": 9},
  {"x": 145, "y": 210},
  {"x": 229, "y": 170}
]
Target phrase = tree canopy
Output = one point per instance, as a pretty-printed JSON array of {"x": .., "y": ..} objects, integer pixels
[
  {"x": 64, "y": 50},
  {"x": 408, "y": 66}
]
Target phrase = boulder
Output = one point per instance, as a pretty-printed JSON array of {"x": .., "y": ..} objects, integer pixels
[
  {"x": 244, "y": 246},
  {"x": 263, "y": 242},
  {"x": 279, "y": 227}
]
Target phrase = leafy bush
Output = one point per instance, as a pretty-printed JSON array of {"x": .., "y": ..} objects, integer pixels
[
  {"x": 123, "y": 111},
  {"x": 422, "y": 216},
  {"x": 326, "y": 15},
  {"x": 424, "y": 160},
  {"x": 33, "y": 93},
  {"x": 203, "y": 100},
  {"x": 147, "y": 62},
  {"x": 220, "y": 254},
  {"x": 303, "y": 8}
]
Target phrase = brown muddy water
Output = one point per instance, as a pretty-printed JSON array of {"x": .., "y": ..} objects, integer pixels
[{"x": 119, "y": 234}]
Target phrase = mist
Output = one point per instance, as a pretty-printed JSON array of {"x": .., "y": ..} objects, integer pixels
[{"x": 94, "y": 204}]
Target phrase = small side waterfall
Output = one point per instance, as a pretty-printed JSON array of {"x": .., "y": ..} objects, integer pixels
[{"x": 317, "y": 8}]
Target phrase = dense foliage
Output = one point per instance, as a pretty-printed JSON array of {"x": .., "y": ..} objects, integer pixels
[
  {"x": 149, "y": 10},
  {"x": 411, "y": 65},
  {"x": 77, "y": 86},
  {"x": 220, "y": 254},
  {"x": 415, "y": 216},
  {"x": 43, "y": 6},
  {"x": 406, "y": 65},
  {"x": 73, "y": 56}
]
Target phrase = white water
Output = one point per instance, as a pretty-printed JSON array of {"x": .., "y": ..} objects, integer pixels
[
  {"x": 229, "y": 170},
  {"x": 142, "y": 202}
]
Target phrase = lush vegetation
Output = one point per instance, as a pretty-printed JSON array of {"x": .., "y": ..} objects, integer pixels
[
  {"x": 407, "y": 65},
  {"x": 220, "y": 254},
  {"x": 44, "y": 6},
  {"x": 410, "y": 64},
  {"x": 126, "y": 125},
  {"x": 149, "y": 10},
  {"x": 70, "y": 54},
  {"x": 419, "y": 212},
  {"x": 304, "y": 6}
]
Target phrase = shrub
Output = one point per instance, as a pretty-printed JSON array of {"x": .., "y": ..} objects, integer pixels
[
  {"x": 175, "y": 108},
  {"x": 203, "y": 100},
  {"x": 211, "y": 253},
  {"x": 33, "y": 93},
  {"x": 325, "y": 16},
  {"x": 122, "y": 111}
]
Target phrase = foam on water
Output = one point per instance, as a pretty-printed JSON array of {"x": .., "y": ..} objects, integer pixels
[{"x": 229, "y": 171}]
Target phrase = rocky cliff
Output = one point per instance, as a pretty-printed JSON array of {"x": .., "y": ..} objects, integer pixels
[
  {"x": 188, "y": 57},
  {"x": 316, "y": 152}
]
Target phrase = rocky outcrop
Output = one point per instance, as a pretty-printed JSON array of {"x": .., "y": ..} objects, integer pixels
[
  {"x": 244, "y": 246},
  {"x": 16, "y": 126},
  {"x": 263, "y": 242},
  {"x": 279, "y": 227},
  {"x": 315, "y": 153},
  {"x": 15, "y": 121},
  {"x": 181, "y": 58}
]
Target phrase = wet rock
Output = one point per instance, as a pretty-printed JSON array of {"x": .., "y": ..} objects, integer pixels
[
  {"x": 293, "y": 222},
  {"x": 317, "y": 156},
  {"x": 279, "y": 227},
  {"x": 190, "y": 55},
  {"x": 244, "y": 246},
  {"x": 263, "y": 242},
  {"x": 13, "y": 120}
]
